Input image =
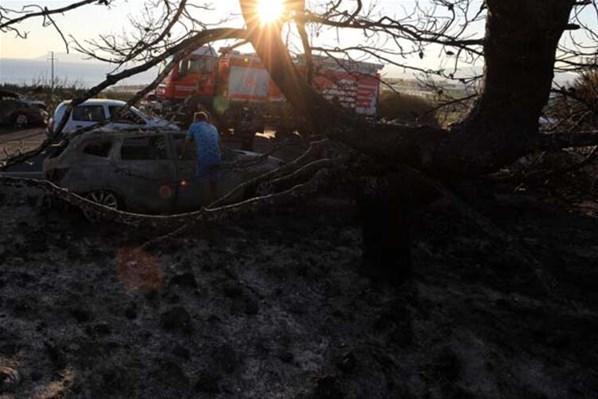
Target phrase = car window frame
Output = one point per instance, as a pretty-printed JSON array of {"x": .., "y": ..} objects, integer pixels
[
  {"x": 132, "y": 110},
  {"x": 85, "y": 143},
  {"x": 72, "y": 114},
  {"x": 118, "y": 148}
]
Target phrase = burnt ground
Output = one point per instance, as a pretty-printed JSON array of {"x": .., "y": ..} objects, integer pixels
[{"x": 275, "y": 307}]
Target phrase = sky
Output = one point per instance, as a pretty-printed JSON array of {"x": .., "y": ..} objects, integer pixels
[
  {"x": 84, "y": 23},
  {"x": 91, "y": 21}
]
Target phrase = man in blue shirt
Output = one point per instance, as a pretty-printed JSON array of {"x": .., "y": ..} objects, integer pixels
[{"x": 207, "y": 145}]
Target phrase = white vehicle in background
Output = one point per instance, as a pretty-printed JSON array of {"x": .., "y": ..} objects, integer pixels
[{"x": 94, "y": 111}]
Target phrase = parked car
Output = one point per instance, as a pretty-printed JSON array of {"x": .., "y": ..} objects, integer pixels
[
  {"x": 20, "y": 112},
  {"x": 94, "y": 111},
  {"x": 144, "y": 171}
]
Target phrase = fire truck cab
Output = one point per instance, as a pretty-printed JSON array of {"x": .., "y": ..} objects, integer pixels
[{"x": 194, "y": 75}]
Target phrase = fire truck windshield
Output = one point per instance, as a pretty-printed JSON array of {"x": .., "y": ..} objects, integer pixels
[{"x": 196, "y": 65}]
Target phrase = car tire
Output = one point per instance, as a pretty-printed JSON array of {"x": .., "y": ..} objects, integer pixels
[
  {"x": 21, "y": 121},
  {"x": 103, "y": 197}
]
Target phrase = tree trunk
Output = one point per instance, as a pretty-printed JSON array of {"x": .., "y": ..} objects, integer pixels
[
  {"x": 266, "y": 40},
  {"x": 385, "y": 209},
  {"x": 520, "y": 47}
]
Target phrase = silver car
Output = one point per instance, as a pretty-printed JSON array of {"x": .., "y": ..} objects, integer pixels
[
  {"x": 145, "y": 171},
  {"x": 94, "y": 111}
]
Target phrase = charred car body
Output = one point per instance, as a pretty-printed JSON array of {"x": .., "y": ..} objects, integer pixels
[
  {"x": 145, "y": 171},
  {"x": 20, "y": 112}
]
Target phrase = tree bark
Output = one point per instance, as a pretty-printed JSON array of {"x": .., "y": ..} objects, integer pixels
[
  {"x": 519, "y": 51},
  {"x": 385, "y": 209}
]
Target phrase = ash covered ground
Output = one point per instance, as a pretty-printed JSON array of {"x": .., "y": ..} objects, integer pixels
[{"x": 275, "y": 307}]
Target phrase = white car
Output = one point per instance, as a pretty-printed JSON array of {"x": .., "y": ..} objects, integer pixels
[{"x": 94, "y": 111}]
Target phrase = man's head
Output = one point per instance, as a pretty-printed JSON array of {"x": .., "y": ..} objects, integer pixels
[{"x": 200, "y": 117}]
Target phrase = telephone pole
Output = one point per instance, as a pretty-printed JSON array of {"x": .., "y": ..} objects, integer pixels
[{"x": 52, "y": 59}]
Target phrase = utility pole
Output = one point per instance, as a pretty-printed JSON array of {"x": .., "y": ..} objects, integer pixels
[{"x": 52, "y": 59}]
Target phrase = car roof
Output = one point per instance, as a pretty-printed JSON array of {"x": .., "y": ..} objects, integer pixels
[
  {"x": 97, "y": 101},
  {"x": 118, "y": 133}
]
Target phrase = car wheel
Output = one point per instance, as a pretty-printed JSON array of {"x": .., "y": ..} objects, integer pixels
[
  {"x": 21, "y": 121},
  {"x": 102, "y": 197}
]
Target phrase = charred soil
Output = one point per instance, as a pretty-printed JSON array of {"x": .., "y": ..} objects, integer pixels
[{"x": 276, "y": 307}]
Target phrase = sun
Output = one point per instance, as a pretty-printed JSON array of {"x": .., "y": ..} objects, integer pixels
[{"x": 269, "y": 11}]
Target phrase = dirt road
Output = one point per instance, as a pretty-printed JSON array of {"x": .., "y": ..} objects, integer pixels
[{"x": 21, "y": 140}]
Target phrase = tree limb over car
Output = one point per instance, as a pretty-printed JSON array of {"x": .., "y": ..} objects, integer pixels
[{"x": 300, "y": 191}]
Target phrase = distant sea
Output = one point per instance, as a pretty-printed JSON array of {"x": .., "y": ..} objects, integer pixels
[
  {"x": 81, "y": 74},
  {"x": 87, "y": 74}
]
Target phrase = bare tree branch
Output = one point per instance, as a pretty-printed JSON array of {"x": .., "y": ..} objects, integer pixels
[{"x": 6, "y": 22}]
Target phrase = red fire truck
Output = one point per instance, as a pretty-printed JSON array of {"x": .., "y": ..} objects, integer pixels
[{"x": 222, "y": 83}]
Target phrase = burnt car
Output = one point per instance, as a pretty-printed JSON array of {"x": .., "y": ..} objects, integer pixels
[
  {"x": 20, "y": 112},
  {"x": 145, "y": 171}
]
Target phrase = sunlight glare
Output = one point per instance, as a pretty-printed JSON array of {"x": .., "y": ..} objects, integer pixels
[{"x": 269, "y": 10}]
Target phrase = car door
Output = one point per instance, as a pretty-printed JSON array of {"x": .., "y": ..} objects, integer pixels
[
  {"x": 85, "y": 116},
  {"x": 190, "y": 194},
  {"x": 146, "y": 173},
  {"x": 90, "y": 167}
]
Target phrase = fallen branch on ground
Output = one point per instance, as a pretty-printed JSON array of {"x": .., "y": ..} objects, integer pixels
[
  {"x": 172, "y": 222},
  {"x": 312, "y": 150}
]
